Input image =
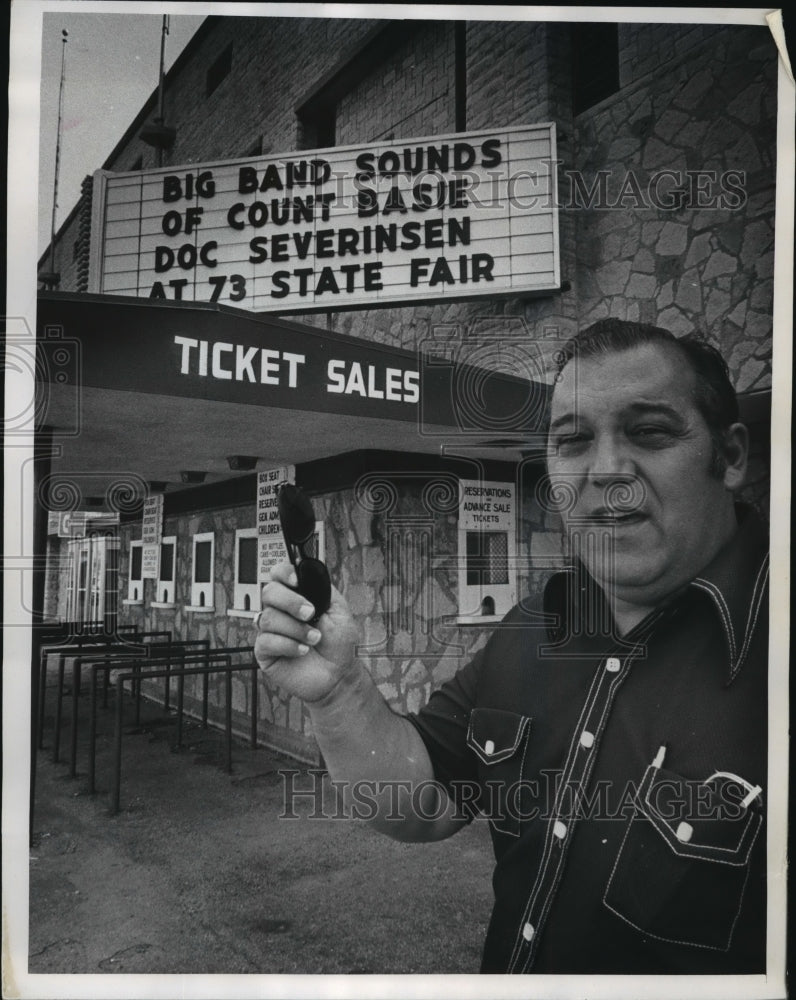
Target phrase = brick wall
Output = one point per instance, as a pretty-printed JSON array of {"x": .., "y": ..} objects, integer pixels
[
  {"x": 67, "y": 254},
  {"x": 646, "y": 48},
  {"x": 410, "y": 94}
]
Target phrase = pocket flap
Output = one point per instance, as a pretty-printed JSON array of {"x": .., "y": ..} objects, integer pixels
[
  {"x": 696, "y": 826},
  {"x": 495, "y": 734}
]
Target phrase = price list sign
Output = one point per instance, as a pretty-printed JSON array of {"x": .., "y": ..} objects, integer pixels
[
  {"x": 151, "y": 535},
  {"x": 270, "y": 544}
]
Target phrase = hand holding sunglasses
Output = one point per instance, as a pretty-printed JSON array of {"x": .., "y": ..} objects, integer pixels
[{"x": 298, "y": 526}]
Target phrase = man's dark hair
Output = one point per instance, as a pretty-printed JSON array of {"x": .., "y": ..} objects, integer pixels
[{"x": 714, "y": 395}]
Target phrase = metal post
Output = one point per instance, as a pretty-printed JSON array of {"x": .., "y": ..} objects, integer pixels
[
  {"x": 57, "y": 733},
  {"x": 255, "y": 673},
  {"x": 116, "y": 777},
  {"x": 167, "y": 688},
  {"x": 42, "y": 698},
  {"x": 137, "y": 693},
  {"x": 180, "y": 699},
  {"x": 92, "y": 727},
  {"x": 76, "y": 664},
  {"x": 228, "y": 685}
]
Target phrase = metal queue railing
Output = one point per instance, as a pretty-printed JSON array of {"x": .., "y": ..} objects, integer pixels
[
  {"x": 170, "y": 671},
  {"x": 65, "y": 652},
  {"x": 168, "y": 659},
  {"x": 224, "y": 666},
  {"x": 63, "y": 643},
  {"x": 170, "y": 651}
]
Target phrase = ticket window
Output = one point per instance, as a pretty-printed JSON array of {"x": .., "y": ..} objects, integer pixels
[
  {"x": 167, "y": 573},
  {"x": 135, "y": 580},
  {"x": 202, "y": 570},
  {"x": 486, "y": 549},
  {"x": 247, "y": 589}
]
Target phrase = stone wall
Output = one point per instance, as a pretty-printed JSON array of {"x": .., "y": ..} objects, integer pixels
[
  {"x": 704, "y": 259},
  {"x": 391, "y": 549}
]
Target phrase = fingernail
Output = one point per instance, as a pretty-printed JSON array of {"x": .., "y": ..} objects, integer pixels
[
  {"x": 293, "y": 580},
  {"x": 303, "y": 650},
  {"x": 313, "y": 636},
  {"x": 306, "y": 611}
]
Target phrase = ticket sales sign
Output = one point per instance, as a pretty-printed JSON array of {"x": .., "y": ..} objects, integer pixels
[{"x": 441, "y": 218}]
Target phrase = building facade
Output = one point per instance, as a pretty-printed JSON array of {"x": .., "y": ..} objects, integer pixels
[{"x": 662, "y": 174}]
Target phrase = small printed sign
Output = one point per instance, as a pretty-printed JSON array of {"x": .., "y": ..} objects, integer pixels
[
  {"x": 150, "y": 561},
  {"x": 152, "y": 527},
  {"x": 270, "y": 544},
  {"x": 486, "y": 506}
]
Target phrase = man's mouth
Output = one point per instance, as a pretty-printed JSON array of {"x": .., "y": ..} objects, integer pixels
[{"x": 619, "y": 519}]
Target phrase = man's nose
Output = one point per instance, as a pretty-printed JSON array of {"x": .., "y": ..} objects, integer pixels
[{"x": 609, "y": 461}]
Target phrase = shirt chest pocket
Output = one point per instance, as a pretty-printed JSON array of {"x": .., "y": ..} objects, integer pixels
[
  {"x": 499, "y": 740},
  {"x": 682, "y": 869}
]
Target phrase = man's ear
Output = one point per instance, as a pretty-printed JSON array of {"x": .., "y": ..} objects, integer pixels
[{"x": 736, "y": 455}]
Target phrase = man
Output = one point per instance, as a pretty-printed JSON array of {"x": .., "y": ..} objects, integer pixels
[{"x": 619, "y": 748}]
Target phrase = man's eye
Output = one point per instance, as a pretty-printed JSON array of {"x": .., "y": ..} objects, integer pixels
[
  {"x": 651, "y": 435},
  {"x": 569, "y": 444}
]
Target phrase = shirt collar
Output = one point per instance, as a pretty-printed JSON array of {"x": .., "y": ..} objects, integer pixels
[{"x": 735, "y": 583}]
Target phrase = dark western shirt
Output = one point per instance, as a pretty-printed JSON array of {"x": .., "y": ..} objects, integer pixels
[{"x": 624, "y": 779}]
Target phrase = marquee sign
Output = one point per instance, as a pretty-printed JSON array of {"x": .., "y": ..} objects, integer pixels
[{"x": 442, "y": 218}]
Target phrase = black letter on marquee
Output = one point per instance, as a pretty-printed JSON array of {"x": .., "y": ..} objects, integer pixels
[
  {"x": 164, "y": 259},
  {"x": 281, "y": 279},
  {"x": 247, "y": 180},
  {"x": 172, "y": 188}
]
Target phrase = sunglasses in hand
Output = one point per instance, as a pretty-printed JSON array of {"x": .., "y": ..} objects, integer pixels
[{"x": 298, "y": 526}]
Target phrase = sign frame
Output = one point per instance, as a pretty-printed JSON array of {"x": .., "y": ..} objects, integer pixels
[{"x": 472, "y": 289}]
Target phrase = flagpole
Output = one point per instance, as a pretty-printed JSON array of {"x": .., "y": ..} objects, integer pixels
[
  {"x": 53, "y": 276},
  {"x": 160, "y": 118}
]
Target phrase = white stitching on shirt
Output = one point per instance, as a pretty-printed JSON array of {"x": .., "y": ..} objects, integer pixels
[
  {"x": 518, "y": 831},
  {"x": 721, "y": 604},
  {"x": 473, "y": 744},
  {"x": 659, "y": 937},
  {"x": 615, "y": 682},
  {"x": 754, "y": 610},
  {"x": 692, "y": 850},
  {"x": 598, "y": 680},
  {"x": 500, "y": 755}
]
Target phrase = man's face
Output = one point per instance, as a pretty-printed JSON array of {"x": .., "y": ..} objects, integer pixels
[{"x": 625, "y": 425}]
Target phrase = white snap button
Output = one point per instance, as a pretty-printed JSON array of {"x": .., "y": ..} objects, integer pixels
[
  {"x": 528, "y": 931},
  {"x": 684, "y": 832},
  {"x": 586, "y": 739},
  {"x": 613, "y": 664},
  {"x": 559, "y": 830},
  {"x": 489, "y": 748}
]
